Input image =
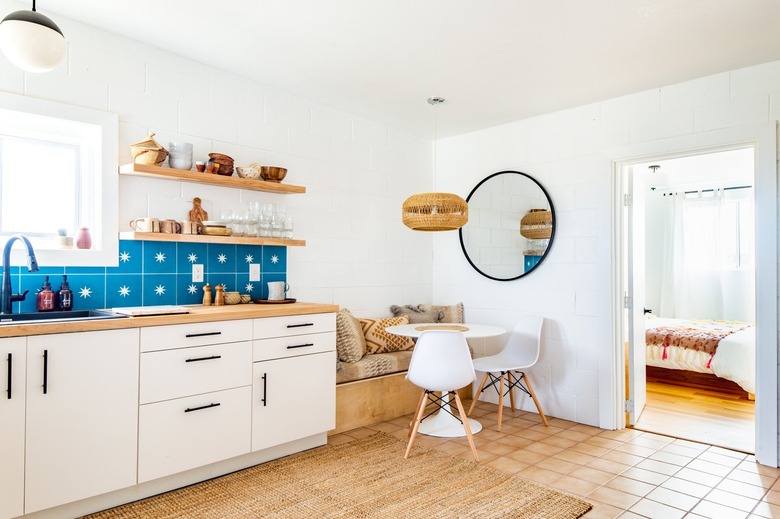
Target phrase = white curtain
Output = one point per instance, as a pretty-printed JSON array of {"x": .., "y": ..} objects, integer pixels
[{"x": 701, "y": 254}]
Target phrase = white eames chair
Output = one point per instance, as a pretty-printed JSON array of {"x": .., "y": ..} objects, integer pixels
[
  {"x": 441, "y": 361},
  {"x": 520, "y": 353}
]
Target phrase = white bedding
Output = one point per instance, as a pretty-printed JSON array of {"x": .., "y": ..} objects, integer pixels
[{"x": 734, "y": 359}]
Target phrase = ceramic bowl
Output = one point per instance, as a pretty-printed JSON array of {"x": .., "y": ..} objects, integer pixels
[
  {"x": 249, "y": 172},
  {"x": 273, "y": 173}
]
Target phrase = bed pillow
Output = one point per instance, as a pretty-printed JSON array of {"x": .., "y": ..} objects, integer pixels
[
  {"x": 379, "y": 341},
  {"x": 350, "y": 341}
]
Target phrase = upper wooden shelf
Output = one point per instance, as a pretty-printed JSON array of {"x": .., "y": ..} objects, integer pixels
[
  {"x": 144, "y": 170},
  {"x": 199, "y": 238}
]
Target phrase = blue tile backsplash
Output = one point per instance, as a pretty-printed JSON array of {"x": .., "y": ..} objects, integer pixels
[{"x": 158, "y": 273}]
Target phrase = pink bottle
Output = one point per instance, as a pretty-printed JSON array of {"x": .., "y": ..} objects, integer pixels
[{"x": 84, "y": 239}]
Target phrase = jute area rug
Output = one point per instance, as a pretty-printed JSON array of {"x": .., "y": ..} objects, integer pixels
[{"x": 363, "y": 478}]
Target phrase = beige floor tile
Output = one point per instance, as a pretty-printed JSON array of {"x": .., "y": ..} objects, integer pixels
[
  {"x": 363, "y": 432},
  {"x": 752, "y": 466},
  {"x": 564, "y": 443},
  {"x": 603, "y": 511},
  {"x": 773, "y": 497},
  {"x": 531, "y": 435},
  {"x": 764, "y": 509},
  {"x": 684, "y": 449},
  {"x": 605, "y": 465},
  {"x": 452, "y": 448},
  {"x": 338, "y": 439},
  {"x": 592, "y": 475},
  {"x": 557, "y": 465},
  {"x": 525, "y": 456},
  {"x": 697, "y": 476},
  {"x": 686, "y": 487},
  {"x": 724, "y": 498},
  {"x": 726, "y": 452},
  {"x": 622, "y": 457},
  {"x": 593, "y": 450},
  {"x": 574, "y": 457},
  {"x": 637, "y": 450},
  {"x": 613, "y": 497},
  {"x": 507, "y": 465},
  {"x": 600, "y": 441},
  {"x": 709, "y": 467},
  {"x": 572, "y": 434},
  {"x": 630, "y": 515},
  {"x": 623, "y": 435},
  {"x": 499, "y": 449},
  {"x": 715, "y": 510},
  {"x": 587, "y": 429},
  {"x": 651, "y": 440},
  {"x": 654, "y": 509},
  {"x": 671, "y": 458},
  {"x": 387, "y": 427},
  {"x": 646, "y": 476},
  {"x": 720, "y": 459},
  {"x": 515, "y": 442},
  {"x": 630, "y": 486},
  {"x": 741, "y": 489},
  {"x": 673, "y": 498},
  {"x": 752, "y": 478},
  {"x": 575, "y": 486},
  {"x": 543, "y": 448},
  {"x": 540, "y": 475}
]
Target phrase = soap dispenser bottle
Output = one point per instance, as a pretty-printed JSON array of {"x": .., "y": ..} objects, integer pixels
[
  {"x": 46, "y": 297},
  {"x": 65, "y": 295}
]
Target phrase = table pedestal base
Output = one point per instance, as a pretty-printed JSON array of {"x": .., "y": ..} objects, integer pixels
[{"x": 445, "y": 426}]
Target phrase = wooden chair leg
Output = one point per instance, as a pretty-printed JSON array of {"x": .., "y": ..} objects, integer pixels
[
  {"x": 533, "y": 395},
  {"x": 476, "y": 395},
  {"x": 419, "y": 403},
  {"x": 417, "y": 419},
  {"x": 510, "y": 383},
  {"x": 467, "y": 427},
  {"x": 500, "y": 400}
]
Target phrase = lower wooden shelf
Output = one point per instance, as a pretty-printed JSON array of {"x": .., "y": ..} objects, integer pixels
[{"x": 199, "y": 238}]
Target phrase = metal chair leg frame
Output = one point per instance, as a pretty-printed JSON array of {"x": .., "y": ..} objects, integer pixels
[
  {"x": 528, "y": 390},
  {"x": 476, "y": 395}
]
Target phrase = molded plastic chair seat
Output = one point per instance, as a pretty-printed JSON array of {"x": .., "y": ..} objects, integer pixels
[
  {"x": 520, "y": 353},
  {"x": 441, "y": 361}
]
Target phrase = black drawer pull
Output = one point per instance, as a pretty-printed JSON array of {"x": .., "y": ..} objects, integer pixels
[
  {"x": 265, "y": 381},
  {"x": 45, "y": 371},
  {"x": 300, "y": 346},
  {"x": 10, "y": 376},
  {"x": 299, "y": 325},
  {"x": 205, "y": 334},
  {"x": 191, "y": 409},
  {"x": 204, "y": 358}
]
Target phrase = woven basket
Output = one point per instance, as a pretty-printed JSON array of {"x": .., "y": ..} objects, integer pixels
[
  {"x": 148, "y": 151},
  {"x": 536, "y": 224},
  {"x": 435, "y": 212}
]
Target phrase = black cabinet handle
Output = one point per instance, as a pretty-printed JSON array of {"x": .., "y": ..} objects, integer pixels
[
  {"x": 299, "y": 325},
  {"x": 10, "y": 376},
  {"x": 204, "y": 358},
  {"x": 45, "y": 371},
  {"x": 205, "y": 334},
  {"x": 209, "y": 406},
  {"x": 265, "y": 387},
  {"x": 300, "y": 346}
]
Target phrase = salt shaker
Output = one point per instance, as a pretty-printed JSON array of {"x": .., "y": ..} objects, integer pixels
[
  {"x": 219, "y": 299},
  {"x": 206, "y": 295}
]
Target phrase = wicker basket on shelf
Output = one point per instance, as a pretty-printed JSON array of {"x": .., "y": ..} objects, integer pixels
[
  {"x": 536, "y": 224},
  {"x": 148, "y": 151}
]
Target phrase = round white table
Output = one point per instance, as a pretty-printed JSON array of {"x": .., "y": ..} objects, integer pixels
[{"x": 443, "y": 424}]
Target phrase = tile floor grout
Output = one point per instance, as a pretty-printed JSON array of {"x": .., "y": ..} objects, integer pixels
[{"x": 656, "y": 476}]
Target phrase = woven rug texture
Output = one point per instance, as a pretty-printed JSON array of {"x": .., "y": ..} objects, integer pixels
[{"x": 363, "y": 478}]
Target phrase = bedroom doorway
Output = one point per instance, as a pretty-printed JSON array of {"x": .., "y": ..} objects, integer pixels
[{"x": 694, "y": 217}]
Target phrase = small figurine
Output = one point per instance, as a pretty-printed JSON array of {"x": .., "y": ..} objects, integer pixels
[
  {"x": 219, "y": 299},
  {"x": 197, "y": 214},
  {"x": 206, "y": 295}
]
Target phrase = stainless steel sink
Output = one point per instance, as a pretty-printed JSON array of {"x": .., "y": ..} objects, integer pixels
[{"x": 51, "y": 317}]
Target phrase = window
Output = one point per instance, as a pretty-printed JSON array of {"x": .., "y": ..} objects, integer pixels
[{"x": 58, "y": 173}]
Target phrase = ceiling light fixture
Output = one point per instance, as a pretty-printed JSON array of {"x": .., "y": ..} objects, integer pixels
[
  {"x": 32, "y": 41},
  {"x": 435, "y": 211}
]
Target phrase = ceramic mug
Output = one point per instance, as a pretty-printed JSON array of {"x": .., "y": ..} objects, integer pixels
[
  {"x": 170, "y": 226},
  {"x": 277, "y": 290},
  {"x": 145, "y": 225},
  {"x": 190, "y": 227}
]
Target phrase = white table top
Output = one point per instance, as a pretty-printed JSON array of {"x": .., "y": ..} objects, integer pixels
[{"x": 471, "y": 331}]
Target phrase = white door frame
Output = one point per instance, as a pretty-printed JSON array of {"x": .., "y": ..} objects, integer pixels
[{"x": 762, "y": 136}]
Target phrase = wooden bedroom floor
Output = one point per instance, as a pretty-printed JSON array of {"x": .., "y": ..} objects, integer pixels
[{"x": 719, "y": 414}]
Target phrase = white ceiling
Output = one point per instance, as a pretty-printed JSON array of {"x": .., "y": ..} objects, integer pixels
[{"x": 495, "y": 61}]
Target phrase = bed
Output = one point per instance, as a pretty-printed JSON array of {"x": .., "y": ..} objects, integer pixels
[{"x": 723, "y": 348}]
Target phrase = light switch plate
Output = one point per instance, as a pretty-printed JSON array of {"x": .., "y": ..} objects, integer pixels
[
  {"x": 197, "y": 273},
  {"x": 254, "y": 272}
]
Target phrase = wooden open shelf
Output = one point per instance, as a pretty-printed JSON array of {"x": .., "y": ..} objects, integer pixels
[
  {"x": 144, "y": 170},
  {"x": 200, "y": 238}
]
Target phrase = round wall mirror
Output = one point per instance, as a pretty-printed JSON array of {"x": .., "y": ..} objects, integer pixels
[{"x": 511, "y": 226}]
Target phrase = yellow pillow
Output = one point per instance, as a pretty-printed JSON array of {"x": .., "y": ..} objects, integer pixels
[{"x": 379, "y": 341}]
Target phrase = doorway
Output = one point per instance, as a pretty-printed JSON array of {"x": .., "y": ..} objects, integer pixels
[
  {"x": 761, "y": 137},
  {"x": 698, "y": 308}
]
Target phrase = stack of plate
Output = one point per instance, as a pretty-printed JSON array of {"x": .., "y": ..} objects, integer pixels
[{"x": 215, "y": 228}]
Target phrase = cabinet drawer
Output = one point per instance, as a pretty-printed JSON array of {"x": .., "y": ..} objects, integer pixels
[
  {"x": 185, "y": 433},
  {"x": 281, "y": 347},
  {"x": 190, "y": 371},
  {"x": 268, "y": 327},
  {"x": 154, "y": 338}
]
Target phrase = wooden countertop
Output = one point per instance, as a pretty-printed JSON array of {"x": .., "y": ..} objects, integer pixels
[{"x": 198, "y": 314}]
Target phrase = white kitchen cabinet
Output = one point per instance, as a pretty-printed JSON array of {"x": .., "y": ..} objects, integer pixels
[
  {"x": 12, "y": 405},
  {"x": 293, "y": 398},
  {"x": 82, "y": 415}
]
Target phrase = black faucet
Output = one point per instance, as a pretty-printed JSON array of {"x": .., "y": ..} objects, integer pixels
[{"x": 7, "y": 296}]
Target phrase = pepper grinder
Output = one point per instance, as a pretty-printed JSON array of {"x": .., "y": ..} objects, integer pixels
[
  {"x": 219, "y": 299},
  {"x": 206, "y": 295}
]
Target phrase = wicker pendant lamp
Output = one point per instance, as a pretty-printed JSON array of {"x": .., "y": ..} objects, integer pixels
[{"x": 435, "y": 211}]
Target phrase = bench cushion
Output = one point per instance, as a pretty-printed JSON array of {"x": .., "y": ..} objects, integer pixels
[{"x": 374, "y": 365}]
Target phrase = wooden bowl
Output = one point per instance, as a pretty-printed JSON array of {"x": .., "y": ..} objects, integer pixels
[
  {"x": 272, "y": 173},
  {"x": 225, "y": 163}
]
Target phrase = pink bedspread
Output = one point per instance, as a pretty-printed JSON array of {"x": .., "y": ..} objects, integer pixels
[{"x": 699, "y": 335}]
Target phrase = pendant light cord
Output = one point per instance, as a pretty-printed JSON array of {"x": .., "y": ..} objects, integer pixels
[{"x": 33, "y": 1}]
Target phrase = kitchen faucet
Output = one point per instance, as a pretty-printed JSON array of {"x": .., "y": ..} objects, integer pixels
[{"x": 7, "y": 296}]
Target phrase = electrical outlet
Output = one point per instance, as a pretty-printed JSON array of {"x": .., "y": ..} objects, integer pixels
[
  {"x": 197, "y": 273},
  {"x": 254, "y": 272}
]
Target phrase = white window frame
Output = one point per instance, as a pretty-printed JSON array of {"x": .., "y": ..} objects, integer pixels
[{"x": 99, "y": 134}]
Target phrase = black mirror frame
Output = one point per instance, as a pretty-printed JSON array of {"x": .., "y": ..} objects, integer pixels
[{"x": 552, "y": 233}]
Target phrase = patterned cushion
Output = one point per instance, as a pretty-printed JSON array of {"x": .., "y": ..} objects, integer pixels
[
  {"x": 379, "y": 341},
  {"x": 350, "y": 342},
  {"x": 374, "y": 366},
  {"x": 430, "y": 313}
]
